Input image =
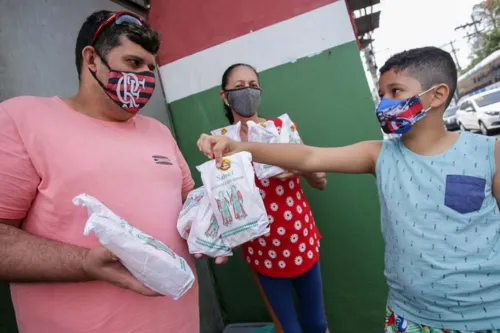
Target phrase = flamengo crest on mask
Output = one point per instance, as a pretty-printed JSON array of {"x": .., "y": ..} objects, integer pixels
[{"x": 128, "y": 89}]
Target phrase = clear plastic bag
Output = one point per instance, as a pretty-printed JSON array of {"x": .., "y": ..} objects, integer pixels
[
  {"x": 289, "y": 132},
  {"x": 149, "y": 260},
  {"x": 189, "y": 211},
  {"x": 235, "y": 199},
  {"x": 205, "y": 237},
  {"x": 264, "y": 133}
]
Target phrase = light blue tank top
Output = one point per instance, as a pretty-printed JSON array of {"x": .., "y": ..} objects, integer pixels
[{"x": 441, "y": 227}]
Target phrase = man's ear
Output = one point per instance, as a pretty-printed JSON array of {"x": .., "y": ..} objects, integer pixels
[
  {"x": 89, "y": 58},
  {"x": 440, "y": 96}
]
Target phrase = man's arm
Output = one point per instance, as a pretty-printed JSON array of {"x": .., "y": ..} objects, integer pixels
[
  {"x": 357, "y": 158},
  {"x": 28, "y": 258},
  {"x": 25, "y": 257},
  {"x": 187, "y": 179}
]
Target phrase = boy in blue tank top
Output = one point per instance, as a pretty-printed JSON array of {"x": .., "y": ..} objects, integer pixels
[{"x": 438, "y": 194}]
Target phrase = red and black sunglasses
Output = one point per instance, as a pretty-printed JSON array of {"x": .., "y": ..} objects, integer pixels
[{"x": 119, "y": 18}]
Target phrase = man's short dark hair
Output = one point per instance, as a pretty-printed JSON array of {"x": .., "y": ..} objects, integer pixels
[
  {"x": 109, "y": 37},
  {"x": 429, "y": 65}
]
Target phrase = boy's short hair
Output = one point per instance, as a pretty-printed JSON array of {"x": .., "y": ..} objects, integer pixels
[{"x": 429, "y": 65}]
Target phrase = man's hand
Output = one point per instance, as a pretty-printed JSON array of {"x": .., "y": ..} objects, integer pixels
[
  {"x": 218, "y": 260},
  {"x": 216, "y": 147},
  {"x": 317, "y": 180},
  {"x": 101, "y": 264}
]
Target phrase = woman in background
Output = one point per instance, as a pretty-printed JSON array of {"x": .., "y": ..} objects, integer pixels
[{"x": 288, "y": 257}]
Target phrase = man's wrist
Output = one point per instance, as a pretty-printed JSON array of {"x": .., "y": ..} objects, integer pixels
[{"x": 83, "y": 266}]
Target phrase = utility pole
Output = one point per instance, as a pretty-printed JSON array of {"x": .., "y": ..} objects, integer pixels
[
  {"x": 474, "y": 24},
  {"x": 454, "y": 51},
  {"x": 372, "y": 67}
]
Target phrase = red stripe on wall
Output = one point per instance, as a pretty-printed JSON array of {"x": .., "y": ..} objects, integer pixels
[{"x": 190, "y": 26}]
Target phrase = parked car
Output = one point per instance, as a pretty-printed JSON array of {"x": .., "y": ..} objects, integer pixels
[
  {"x": 450, "y": 118},
  {"x": 480, "y": 112}
]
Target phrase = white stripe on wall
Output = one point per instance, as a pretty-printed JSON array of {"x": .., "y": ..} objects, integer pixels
[{"x": 301, "y": 36}]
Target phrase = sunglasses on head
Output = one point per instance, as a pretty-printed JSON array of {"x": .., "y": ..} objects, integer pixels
[{"x": 119, "y": 18}]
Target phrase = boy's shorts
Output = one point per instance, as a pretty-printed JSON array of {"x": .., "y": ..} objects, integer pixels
[{"x": 397, "y": 324}]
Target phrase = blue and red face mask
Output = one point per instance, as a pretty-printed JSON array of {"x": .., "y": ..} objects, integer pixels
[{"x": 399, "y": 116}]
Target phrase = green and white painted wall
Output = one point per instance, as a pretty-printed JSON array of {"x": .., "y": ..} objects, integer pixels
[{"x": 310, "y": 67}]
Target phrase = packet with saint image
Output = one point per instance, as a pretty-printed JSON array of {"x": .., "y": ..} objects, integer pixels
[{"x": 235, "y": 199}]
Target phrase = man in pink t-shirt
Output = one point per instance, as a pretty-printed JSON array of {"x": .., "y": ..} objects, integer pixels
[{"x": 52, "y": 150}]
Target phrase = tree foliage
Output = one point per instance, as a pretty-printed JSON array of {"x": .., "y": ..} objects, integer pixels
[{"x": 487, "y": 13}]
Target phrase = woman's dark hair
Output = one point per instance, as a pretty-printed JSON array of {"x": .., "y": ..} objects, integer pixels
[{"x": 225, "y": 78}]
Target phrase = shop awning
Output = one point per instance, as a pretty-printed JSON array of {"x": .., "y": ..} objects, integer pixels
[
  {"x": 360, "y": 4},
  {"x": 367, "y": 23}
]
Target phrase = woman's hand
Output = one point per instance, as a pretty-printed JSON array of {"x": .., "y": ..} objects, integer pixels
[
  {"x": 287, "y": 175},
  {"x": 216, "y": 147},
  {"x": 218, "y": 260},
  {"x": 317, "y": 180}
]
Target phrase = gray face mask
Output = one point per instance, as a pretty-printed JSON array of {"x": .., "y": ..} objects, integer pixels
[{"x": 244, "y": 101}]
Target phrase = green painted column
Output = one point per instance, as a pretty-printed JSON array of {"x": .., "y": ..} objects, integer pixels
[
  {"x": 328, "y": 96},
  {"x": 310, "y": 67}
]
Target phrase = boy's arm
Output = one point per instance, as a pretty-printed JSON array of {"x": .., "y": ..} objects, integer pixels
[
  {"x": 357, "y": 158},
  {"x": 316, "y": 180}
]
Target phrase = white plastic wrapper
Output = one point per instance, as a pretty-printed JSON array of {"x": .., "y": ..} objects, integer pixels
[
  {"x": 289, "y": 133},
  {"x": 189, "y": 211},
  {"x": 149, "y": 260},
  {"x": 235, "y": 199},
  {"x": 264, "y": 133},
  {"x": 232, "y": 131},
  {"x": 205, "y": 237}
]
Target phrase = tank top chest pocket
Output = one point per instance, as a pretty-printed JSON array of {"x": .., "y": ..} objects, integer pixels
[{"x": 464, "y": 194}]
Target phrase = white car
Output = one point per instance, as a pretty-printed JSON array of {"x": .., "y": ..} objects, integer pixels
[{"x": 480, "y": 112}]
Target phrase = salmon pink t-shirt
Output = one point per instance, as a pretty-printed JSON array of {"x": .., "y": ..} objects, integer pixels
[{"x": 49, "y": 154}]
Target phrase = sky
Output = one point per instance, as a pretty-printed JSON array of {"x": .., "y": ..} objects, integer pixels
[{"x": 406, "y": 24}]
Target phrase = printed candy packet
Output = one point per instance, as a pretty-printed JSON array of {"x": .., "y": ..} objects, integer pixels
[
  {"x": 235, "y": 199},
  {"x": 264, "y": 133},
  {"x": 189, "y": 211},
  {"x": 289, "y": 132},
  {"x": 232, "y": 131},
  {"x": 149, "y": 260},
  {"x": 205, "y": 237}
]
